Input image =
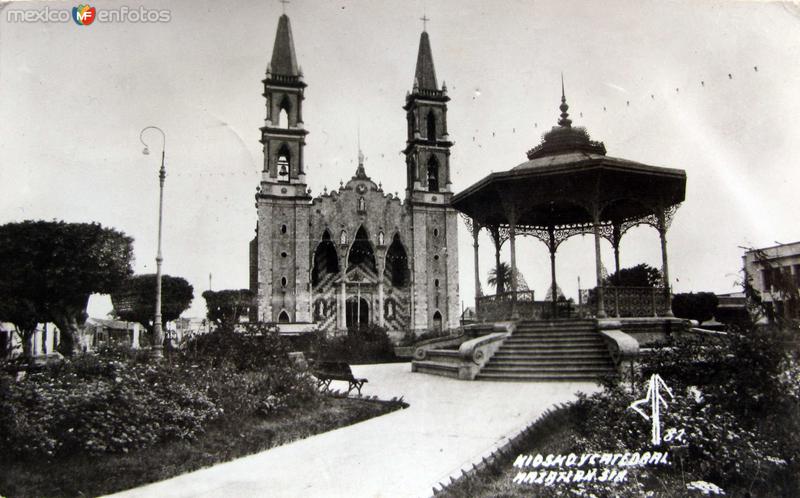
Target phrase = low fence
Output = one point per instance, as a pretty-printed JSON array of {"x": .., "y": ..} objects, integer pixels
[
  {"x": 628, "y": 302},
  {"x": 502, "y": 306}
]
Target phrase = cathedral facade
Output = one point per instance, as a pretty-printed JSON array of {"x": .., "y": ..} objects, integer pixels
[{"x": 355, "y": 256}]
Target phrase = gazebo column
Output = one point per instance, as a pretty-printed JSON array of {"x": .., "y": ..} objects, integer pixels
[
  {"x": 601, "y": 306},
  {"x": 553, "y": 285},
  {"x": 662, "y": 234},
  {"x": 498, "y": 243},
  {"x": 615, "y": 239},
  {"x": 512, "y": 238},
  {"x": 476, "y": 229}
]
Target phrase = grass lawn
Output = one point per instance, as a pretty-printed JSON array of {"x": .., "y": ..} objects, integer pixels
[{"x": 227, "y": 438}]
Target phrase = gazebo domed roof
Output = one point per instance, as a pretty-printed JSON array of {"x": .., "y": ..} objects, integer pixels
[{"x": 565, "y": 138}]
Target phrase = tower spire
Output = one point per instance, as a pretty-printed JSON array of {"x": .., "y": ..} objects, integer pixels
[
  {"x": 564, "y": 122},
  {"x": 425, "y": 74},
  {"x": 284, "y": 61}
]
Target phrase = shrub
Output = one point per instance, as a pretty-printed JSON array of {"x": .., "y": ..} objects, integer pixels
[
  {"x": 249, "y": 370},
  {"x": 96, "y": 405},
  {"x": 736, "y": 400},
  {"x": 367, "y": 345},
  {"x": 117, "y": 401},
  {"x": 700, "y": 306}
]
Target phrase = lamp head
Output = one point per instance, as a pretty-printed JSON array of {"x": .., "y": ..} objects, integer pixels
[{"x": 146, "y": 151}]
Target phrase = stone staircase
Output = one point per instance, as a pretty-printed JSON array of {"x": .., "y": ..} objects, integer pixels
[
  {"x": 443, "y": 362},
  {"x": 558, "y": 350}
]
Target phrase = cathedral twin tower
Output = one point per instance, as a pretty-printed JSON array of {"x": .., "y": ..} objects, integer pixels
[{"x": 355, "y": 256}]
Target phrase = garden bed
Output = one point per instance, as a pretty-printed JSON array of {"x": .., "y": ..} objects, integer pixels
[
  {"x": 225, "y": 439},
  {"x": 730, "y": 425},
  {"x": 116, "y": 419}
]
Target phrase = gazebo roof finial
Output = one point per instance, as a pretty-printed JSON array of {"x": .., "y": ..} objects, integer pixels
[{"x": 564, "y": 121}]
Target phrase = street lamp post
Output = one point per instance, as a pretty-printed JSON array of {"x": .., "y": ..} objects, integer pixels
[{"x": 158, "y": 333}]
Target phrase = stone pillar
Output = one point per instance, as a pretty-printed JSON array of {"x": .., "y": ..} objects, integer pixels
[
  {"x": 601, "y": 307},
  {"x": 342, "y": 305},
  {"x": 662, "y": 234},
  {"x": 475, "y": 231},
  {"x": 381, "y": 269}
]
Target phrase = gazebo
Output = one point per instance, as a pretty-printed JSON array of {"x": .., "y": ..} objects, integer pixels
[{"x": 569, "y": 186}]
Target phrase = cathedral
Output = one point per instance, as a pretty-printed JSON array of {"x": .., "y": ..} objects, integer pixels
[{"x": 355, "y": 256}]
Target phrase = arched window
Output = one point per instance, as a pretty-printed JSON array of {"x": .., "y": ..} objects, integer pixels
[
  {"x": 380, "y": 238},
  {"x": 433, "y": 174},
  {"x": 326, "y": 261},
  {"x": 284, "y": 317},
  {"x": 283, "y": 114},
  {"x": 361, "y": 253},
  {"x": 343, "y": 237},
  {"x": 396, "y": 267},
  {"x": 283, "y": 163},
  {"x": 431, "y": 121}
]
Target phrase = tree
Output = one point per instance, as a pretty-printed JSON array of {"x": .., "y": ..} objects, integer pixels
[
  {"x": 498, "y": 277},
  {"x": 641, "y": 275},
  {"x": 54, "y": 267},
  {"x": 134, "y": 300},
  {"x": 22, "y": 313},
  {"x": 227, "y": 307},
  {"x": 700, "y": 306}
]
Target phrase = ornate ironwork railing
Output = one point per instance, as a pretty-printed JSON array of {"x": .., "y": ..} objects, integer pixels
[
  {"x": 632, "y": 301},
  {"x": 502, "y": 306}
]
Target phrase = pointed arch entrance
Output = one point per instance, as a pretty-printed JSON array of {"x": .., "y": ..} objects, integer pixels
[{"x": 437, "y": 321}]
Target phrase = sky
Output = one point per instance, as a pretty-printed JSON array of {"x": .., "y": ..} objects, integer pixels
[{"x": 708, "y": 87}]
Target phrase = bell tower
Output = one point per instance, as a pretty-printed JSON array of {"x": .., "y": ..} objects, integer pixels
[
  {"x": 283, "y": 134},
  {"x": 279, "y": 253},
  {"x": 428, "y": 143},
  {"x": 435, "y": 304}
]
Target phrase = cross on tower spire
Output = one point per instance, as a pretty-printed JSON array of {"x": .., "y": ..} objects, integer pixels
[
  {"x": 283, "y": 5},
  {"x": 424, "y": 20}
]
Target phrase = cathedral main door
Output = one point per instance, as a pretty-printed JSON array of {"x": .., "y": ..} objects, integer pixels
[{"x": 357, "y": 313}]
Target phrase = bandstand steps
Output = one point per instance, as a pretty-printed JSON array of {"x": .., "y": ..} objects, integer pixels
[
  {"x": 546, "y": 377},
  {"x": 565, "y": 350}
]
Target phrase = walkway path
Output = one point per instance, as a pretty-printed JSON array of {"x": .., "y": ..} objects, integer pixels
[{"x": 404, "y": 453}]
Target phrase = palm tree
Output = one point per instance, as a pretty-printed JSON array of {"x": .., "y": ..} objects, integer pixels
[{"x": 498, "y": 277}]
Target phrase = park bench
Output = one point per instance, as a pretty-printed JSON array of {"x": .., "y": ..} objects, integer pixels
[{"x": 328, "y": 371}]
